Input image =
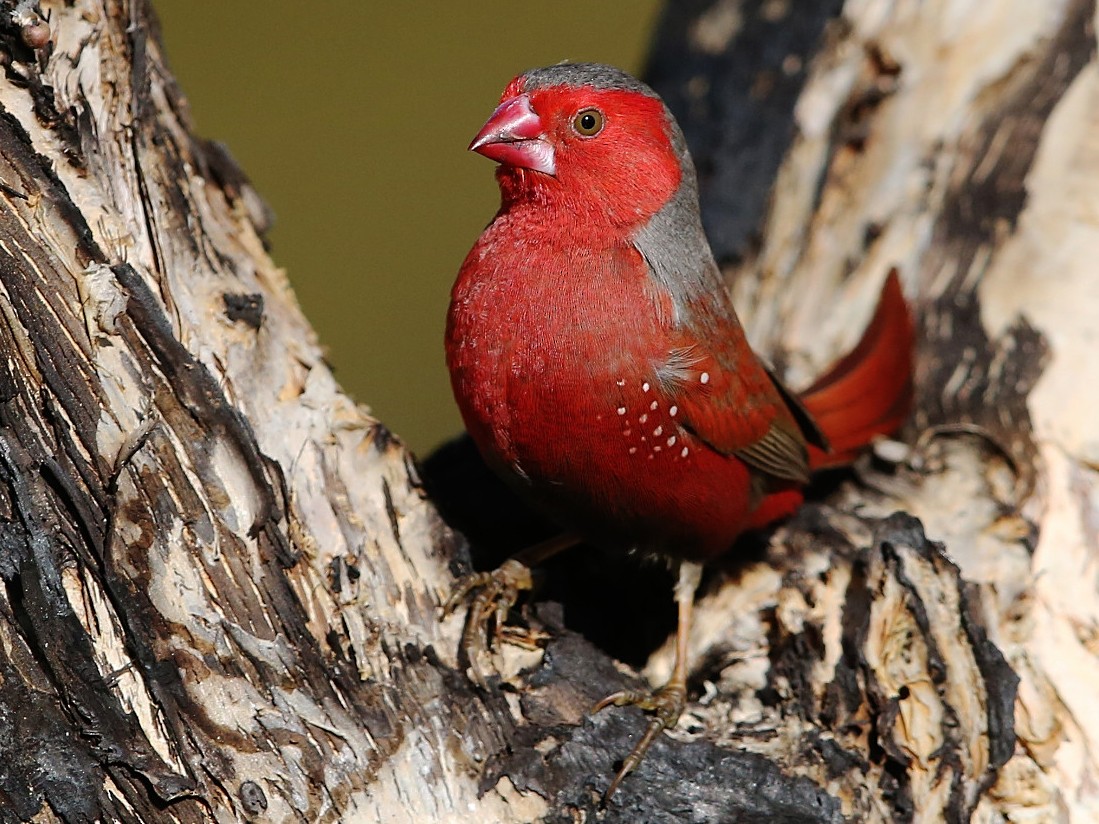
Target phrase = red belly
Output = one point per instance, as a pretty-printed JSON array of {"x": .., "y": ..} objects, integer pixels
[{"x": 612, "y": 462}]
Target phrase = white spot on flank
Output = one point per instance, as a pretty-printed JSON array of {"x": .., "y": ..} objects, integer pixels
[
  {"x": 657, "y": 448},
  {"x": 684, "y": 452},
  {"x": 621, "y": 381},
  {"x": 633, "y": 450},
  {"x": 705, "y": 377},
  {"x": 671, "y": 441},
  {"x": 621, "y": 410},
  {"x": 673, "y": 410},
  {"x": 658, "y": 431},
  {"x": 653, "y": 405},
  {"x": 645, "y": 386},
  {"x": 627, "y": 432},
  {"x": 643, "y": 418}
]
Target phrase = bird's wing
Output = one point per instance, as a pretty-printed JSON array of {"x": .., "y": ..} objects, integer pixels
[{"x": 729, "y": 400}]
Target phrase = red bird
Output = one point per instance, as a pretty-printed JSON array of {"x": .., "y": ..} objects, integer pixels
[{"x": 599, "y": 365}]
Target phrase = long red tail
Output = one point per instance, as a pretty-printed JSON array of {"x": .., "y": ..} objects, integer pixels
[{"x": 869, "y": 391}]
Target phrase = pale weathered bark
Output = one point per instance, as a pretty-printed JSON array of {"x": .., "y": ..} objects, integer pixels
[{"x": 221, "y": 578}]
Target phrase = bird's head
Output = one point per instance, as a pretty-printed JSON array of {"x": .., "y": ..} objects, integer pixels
[{"x": 588, "y": 138}]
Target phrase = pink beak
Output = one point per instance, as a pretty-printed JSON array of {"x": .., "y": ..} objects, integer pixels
[{"x": 515, "y": 136}]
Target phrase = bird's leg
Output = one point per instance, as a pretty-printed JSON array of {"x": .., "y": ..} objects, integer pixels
[
  {"x": 494, "y": 594},
  {"x": 666, "y": 703}
]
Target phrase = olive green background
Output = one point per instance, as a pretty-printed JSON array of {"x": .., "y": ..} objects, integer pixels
[{"x": 352, "y": 120}]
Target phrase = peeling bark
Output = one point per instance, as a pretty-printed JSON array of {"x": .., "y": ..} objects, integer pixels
[{"x": 222, "y": 579}]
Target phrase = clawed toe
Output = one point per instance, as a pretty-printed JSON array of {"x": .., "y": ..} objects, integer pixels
[
  {"x": 666, "y": 702},
  {"x": 666, "y": 705},
  {"x": 491, "y": 596}
]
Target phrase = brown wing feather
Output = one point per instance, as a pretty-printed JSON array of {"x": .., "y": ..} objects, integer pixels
[
  {"x": 727, "y": 399},
  {"x": 780, "y": 453}
]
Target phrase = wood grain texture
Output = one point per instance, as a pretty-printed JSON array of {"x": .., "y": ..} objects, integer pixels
[{"x": 222, "y": 578}]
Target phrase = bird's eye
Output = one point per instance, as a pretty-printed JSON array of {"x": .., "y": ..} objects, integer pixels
[{"x": 588, "y": 123}]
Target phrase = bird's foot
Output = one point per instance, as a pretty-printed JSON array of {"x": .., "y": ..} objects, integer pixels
[
  {"x": 493, "y": 595},
  {"x": 666, "y": 705}
]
